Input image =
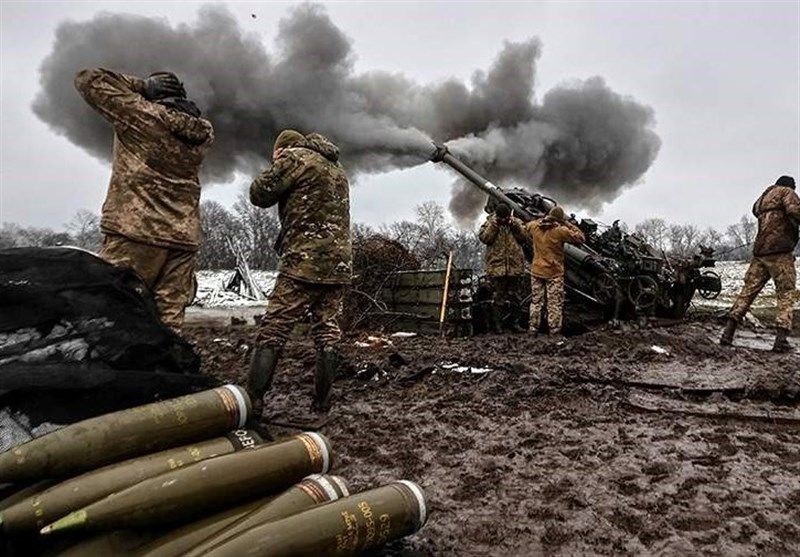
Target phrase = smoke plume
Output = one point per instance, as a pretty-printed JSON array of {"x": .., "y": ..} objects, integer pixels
[{"x": 583, "y": 143}]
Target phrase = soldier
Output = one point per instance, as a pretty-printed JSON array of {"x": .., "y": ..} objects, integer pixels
[
  {"x": 150, "y": 217},
  {"x": 778, "y": 214},
  {"x": 504, "y": 235},
  {"x": 548, "y": 236},
  {"x": 311, "y": 190}
]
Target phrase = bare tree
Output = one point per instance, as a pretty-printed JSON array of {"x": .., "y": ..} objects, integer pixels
[
  {"x": 218, "y": 226},
  {"x": 15, "y": 236},
  {"x": 741, "y": 237},
  {"x": 654, "y": 232},
  {"x": 259, "y": 232},
  {"x": 85, "y": 230},
  {"x": 714, "y": 239}
]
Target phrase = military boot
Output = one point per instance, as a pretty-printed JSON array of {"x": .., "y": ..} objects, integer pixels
[
  {"x": 730, "y": 329},
  {"x": 781, "y": 342},
  {"x": 493, "y": 319},
  {"x": 514, "y": 319},
  {"x": 259, "y": 379},
  {"x": 328, "y": 360}
]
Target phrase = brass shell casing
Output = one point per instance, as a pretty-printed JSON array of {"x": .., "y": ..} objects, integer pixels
[
  {"x": 32, "y": 513},
  {"x": 204, "y": 487},
  {"x": 95, "y": 442},
  {"x": 345, "y": 527},
  {"x": 312, "y": 491}
]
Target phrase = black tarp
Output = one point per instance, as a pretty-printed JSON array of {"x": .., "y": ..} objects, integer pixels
[{"x": 79, "y": 337}]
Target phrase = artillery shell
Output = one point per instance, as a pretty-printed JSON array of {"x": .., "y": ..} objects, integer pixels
[
  {"x": 24, "y": 493},
  {"x": 135, "y": 542},
  {"x": 110, "y": 544},
  {"x": 312, "y": 491},
  {"x": 204, "y": 487},
  {"x": 345, "y": 527},
  {"x": 137, "y": 431},
  {"x": 32, "y": 513}
]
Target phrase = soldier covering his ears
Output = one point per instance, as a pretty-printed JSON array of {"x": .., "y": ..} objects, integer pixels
[
  {"x": 504, "y": 235},
  {"x": 151, "y": 215},
  {"x": 310, "y": 187}
]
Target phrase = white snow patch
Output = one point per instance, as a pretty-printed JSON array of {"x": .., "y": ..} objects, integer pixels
[
  {"x": 449, "y": 366},
  {"x": 659, "y": 350},
  {"x": 732, "y": 275},
  {"x": 211, "y": 289},
  {"x": 401, "y": 334}
]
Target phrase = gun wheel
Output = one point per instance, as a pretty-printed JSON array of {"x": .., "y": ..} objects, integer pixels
[
  {"x": 605, "y": 288},
  {"x": 643, "y": 291},
  {"x": 708, "y": 292}
]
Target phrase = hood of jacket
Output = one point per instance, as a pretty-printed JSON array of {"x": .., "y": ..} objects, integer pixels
[
  {"x": 320, "y": 144},
  {"x": 547, "y": 222}
]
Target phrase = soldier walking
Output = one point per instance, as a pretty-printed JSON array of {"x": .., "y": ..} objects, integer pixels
[
  {"x": 151, "y": 216},
  {"x": 778, "y": 214},
  {"x": 310, "y": 187},
  {"x": 548, "y": 236},
  {"x": 504, "y": 235}
]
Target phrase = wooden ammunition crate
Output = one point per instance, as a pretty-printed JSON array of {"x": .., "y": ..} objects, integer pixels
[{"x": 413, "y": 301}]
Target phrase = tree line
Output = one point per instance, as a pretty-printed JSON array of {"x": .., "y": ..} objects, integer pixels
[{"x": 430, "y": 236}]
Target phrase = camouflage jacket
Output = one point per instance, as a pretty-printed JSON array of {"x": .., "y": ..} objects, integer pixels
[
  {"x": 504, "y": 255},
  {"x": 154, "y": 193},
  {"x": 778, "y": 214},
  {"x": 313, "y": 196},
  {"x": 548, "y": 237}
]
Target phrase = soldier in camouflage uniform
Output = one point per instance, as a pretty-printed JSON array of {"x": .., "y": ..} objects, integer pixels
[
  {"x": 504, "y": 235},
  {"x": 311, "y": 190},
  {"x": 778, "y": 214},
  {"x": 548, "y": 236},
  {"x": 150, "y": 217}
]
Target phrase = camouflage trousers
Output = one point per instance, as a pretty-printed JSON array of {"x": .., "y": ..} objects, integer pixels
[
  {"x": 168, "y": 273},
  {"x": 549, "y": 292},
  {"x": 780, "y": 268},
  {"x": 291, "y": 300},
  {"x": 509, "y": 292}
]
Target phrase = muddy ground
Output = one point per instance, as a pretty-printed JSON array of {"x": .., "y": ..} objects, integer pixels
[{"x": 643, "y": 441}]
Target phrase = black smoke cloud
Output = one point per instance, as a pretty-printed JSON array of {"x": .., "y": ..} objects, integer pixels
[{"x": 583, "y": 143}]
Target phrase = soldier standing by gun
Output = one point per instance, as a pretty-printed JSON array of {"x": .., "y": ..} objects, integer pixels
[
  {"x": 778, "y": 214},
  {"x": 151, "y": 216},
  {"x": 311, "y": 190},
  {"x": 548, "y": 236},
  {"x": 504, "y": 235}
]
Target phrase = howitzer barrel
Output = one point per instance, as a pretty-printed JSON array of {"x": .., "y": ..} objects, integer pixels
[
  {"x": 442, "y": 154},
  {"x": 580, "y": 258}
]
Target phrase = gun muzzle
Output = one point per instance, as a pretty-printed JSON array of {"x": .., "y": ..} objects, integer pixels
[{"x": 439, "y": 152}]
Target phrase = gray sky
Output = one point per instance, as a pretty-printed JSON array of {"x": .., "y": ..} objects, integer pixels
[{"x": 722, "y": 77}]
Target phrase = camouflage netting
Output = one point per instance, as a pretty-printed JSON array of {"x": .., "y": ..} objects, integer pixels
[
  {"x": 375, "y": 258},
  {"x": 79, "y": 337}
]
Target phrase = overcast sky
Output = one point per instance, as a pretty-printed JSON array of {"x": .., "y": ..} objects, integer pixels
[{"x": 722, "y": 77}]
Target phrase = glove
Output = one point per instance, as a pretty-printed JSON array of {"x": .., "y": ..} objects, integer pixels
[{"x": 161, "y": 85}]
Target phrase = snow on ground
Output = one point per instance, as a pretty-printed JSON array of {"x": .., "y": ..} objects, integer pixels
[
  {"x": 211, "y": 287},
  {"x": 732, "y": 275}
]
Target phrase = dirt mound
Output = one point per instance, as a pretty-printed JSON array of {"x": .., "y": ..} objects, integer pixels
[
  {"x": 651, "y": 441},
  {"x": 375, "y": 258}
]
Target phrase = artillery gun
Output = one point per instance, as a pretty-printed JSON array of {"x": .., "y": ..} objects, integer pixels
[{"x": 612, "y": 271}]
